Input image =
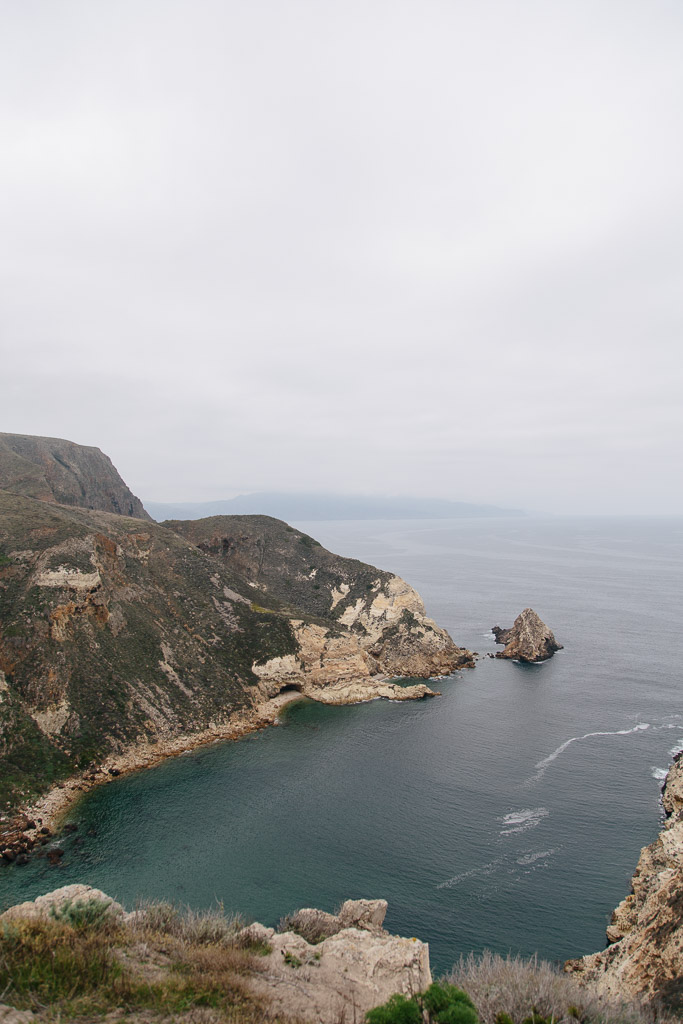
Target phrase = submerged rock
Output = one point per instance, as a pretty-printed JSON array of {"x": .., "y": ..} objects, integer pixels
[
  {"x": 645, "y": 957},
  {"x": 528, "y": 639}
]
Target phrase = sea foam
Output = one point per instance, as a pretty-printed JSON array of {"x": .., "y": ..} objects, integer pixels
[{"x": 522, "y": 821}]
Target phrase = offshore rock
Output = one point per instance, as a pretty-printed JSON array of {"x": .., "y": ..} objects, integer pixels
[
  {"x": 356, "y": 967},
  {"x": 528, "y": 639},
  {"x": 645, "y": 955}
]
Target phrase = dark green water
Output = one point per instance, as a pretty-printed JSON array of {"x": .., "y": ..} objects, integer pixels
[{"x": 489, "y": 817}]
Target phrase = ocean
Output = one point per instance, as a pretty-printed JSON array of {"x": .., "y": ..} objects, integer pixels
[{"x": 506, "y": 814}]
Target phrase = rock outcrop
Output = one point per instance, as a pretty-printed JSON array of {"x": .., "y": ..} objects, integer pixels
[
  {"x": 350, "y": 965},
  {"x": 645, "y": 955},
  {"x": 381, "y": 619},
  {"x": 54, "y": 470},
  {"x": 53, "y": 903},
  {"x": 528, "y": 639},
  {"x": 116, "y": 632}
]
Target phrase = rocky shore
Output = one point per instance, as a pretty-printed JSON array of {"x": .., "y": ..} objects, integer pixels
[
  {"x": 34, "y": 825},
  {"x": 644, "y": 958}
]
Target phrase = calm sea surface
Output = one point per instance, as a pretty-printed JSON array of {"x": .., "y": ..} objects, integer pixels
[{"x": 508, "y": 813}]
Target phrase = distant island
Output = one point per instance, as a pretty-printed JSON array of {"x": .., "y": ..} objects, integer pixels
[{"x": 319, "y": 507}]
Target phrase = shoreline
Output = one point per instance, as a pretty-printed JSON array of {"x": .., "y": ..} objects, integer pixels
[{"x": 49, "y": 810}]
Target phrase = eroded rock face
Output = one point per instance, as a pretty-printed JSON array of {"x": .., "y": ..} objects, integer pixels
[
  {"x": 54, "y": 470},
  {"x": 381, "y": 619},
  {"x": 528, "y": 639},
  {"x": 645, "y": 955},
  {"x": 356, "y": 967}
]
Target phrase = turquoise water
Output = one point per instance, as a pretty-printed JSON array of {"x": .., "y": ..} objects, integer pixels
[{"x": 508, "y": 813}]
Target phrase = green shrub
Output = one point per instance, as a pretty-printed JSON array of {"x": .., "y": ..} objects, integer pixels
[
  {"x": 81, "y": 914},
  {"x": 397, "y": 1010},
  {"x": 440, "y": 1004}
]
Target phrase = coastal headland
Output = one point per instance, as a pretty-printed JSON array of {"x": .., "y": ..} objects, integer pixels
[{"x": 123, "y": 641}]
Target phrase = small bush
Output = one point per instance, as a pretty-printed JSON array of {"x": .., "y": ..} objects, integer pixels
[
  {"x": 311, "y": 929},
  {"x": 201, "y": 927},
  {"x": 440, "y": 1004},
  {"x": 514, "y": 990},
  {"x": 82, "y": 914},
  {"x": 397, "y": 1010}
]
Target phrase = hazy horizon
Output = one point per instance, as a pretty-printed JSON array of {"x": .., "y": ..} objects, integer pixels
[{"x": 388, "y": 248}]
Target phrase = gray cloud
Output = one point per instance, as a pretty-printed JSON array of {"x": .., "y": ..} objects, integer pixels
[{"x": 387, "y": 247}]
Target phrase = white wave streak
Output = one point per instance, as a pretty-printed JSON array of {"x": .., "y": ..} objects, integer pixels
[
  {"x": 531, "y": 858},
  {"x": 542, "y": 766},
  {"x": 522, "y": 821},
  {"x": 659, "y": 774},
  {"x": 485, "y": 869}
]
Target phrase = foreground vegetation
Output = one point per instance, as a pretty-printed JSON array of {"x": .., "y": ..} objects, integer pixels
[
  {"x": 85, "y": 964},
  {"x": 165, "y": 965}
]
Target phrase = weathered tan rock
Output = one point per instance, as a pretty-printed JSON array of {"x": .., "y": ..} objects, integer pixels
[
  {"x": 365, "y": 914},
  {"x": 350, "y": 666},
  {"x": 346, "y": 974},
  {"x": 645, "y": 958},
  {"x": 47, "y": 906},
  {"x": 8, "y": 1015},
  {"x": 528, "y": 639}
]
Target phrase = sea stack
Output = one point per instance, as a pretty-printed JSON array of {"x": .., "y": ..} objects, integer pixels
[{"x": 529, "y": 639}]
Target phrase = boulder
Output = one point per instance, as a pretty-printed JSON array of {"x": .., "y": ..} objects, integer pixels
[
  {"x": 528, "y": 639},
  {"x": 49, "y": 905},
  {"x": 343, "y": 976}
]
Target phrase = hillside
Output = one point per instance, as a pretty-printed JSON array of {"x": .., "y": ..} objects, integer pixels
[
  {"x": 54, "y": 470},
  {"x": 115, "y": 631}
]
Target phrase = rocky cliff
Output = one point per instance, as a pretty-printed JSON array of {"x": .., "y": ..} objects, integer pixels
[
  {"x": 528, "y": 639},
  {"x": 645, "y": 955},
  {"x": 117, "y": 632},
  {"x": 54, "y": 470},
  {"x": 346, "y": 965}
]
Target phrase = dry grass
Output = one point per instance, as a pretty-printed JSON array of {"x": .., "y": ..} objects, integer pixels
[
  {"x": 521, "y": 988},
  {"x": 164, "y": 965},
  {"x": 192, "y": 926}
]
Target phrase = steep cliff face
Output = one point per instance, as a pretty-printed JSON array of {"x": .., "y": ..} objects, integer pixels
[
  {"x": 54, "y": 470},
  {"x": 112, "y": 629},
  {"x": 645, "y": 955},
  {"x": 381, "y": 618},
  {"x": 115, "y": 632}
]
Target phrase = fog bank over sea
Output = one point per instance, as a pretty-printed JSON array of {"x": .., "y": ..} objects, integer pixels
[{"x": 508, "y": 813}]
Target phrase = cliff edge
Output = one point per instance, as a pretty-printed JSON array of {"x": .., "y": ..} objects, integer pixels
[
  {"x": 154, "y": 962},
  {"x": 645, "y": 955}
]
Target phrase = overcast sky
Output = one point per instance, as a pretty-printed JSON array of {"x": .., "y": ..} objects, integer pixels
[{"x": 368, "y": 246}]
